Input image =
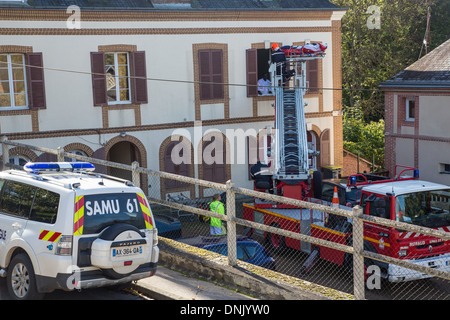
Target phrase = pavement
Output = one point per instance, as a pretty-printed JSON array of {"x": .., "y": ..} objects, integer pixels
[{"x": 169, "y": 284}]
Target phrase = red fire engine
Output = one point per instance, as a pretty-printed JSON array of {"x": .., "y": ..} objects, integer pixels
[{"x": 403, "y": 198}]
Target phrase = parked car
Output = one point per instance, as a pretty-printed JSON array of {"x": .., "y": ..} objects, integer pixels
[
  {"x": 248, "y": 250},
  {"x": 62, "y": 226},
  {"x": 168, "y": 226}
]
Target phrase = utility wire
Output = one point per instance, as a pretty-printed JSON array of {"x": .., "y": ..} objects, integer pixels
[
  {"x": 211, "y": 83},
  {"x": 178, "y": 81}
]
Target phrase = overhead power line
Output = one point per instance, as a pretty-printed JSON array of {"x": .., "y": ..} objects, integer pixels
[{"x": 177, "y": 80}]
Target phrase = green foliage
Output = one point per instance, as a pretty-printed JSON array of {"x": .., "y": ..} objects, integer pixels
[
  {"x": 365, "y": 139},
  {"x": 373, "y": 55}
]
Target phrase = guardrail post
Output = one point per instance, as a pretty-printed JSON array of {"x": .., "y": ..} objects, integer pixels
[
  {"x": 358, "y": 259},
  {"x": 135, "y": 175},
  {"x": 5, "y": 153},
  {"x": 231, "y": 224},
  {"x": 60, "y": 154}
]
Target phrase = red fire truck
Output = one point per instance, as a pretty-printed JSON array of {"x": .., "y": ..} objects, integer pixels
[{"x": 403, "y": 198}]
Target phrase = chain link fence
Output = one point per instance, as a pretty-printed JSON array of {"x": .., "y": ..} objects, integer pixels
[{"x": 336, "y": 247}]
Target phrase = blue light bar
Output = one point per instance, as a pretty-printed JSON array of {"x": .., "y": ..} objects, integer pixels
[
  {"x": 36, "y": 167},
  {"x": 416, "y": 173},
  {"x": 352, "y": 180}
]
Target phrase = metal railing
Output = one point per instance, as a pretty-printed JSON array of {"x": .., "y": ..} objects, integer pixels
[{"x": 355, "y": 248}]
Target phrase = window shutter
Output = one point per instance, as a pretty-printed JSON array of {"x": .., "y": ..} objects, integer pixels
[
  {"x": 312, "y": 75},
  {"x": 139, "y": 77},
  {"x": 217, "y": 74},
  {"x": 98, "y": 78},
  {"x": 325, "y": 148},
  {"x": 36, "y": 80},
  {"x": 220, "y": 169},
  {"x": 46, "y": 157},
  {"x": 180, "y": 169},
  {"x": 252, "y": 72},
  {"x": 211, "y": 71},
  {"x": 100, "y": 154},
  {"x": 205, "y": 74},
  {"x": 216, "y": 172}
]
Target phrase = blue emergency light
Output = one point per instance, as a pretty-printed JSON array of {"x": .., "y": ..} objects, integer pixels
[
  {"x": 416, "y": 173},
  {"x": 36, "y": 167}
]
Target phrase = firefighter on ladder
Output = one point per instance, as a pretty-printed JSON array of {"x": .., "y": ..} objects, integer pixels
[{"x": 279, "y": 59}]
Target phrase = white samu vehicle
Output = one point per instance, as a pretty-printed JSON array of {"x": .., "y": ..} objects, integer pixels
[{"x": 62, "y": 226}]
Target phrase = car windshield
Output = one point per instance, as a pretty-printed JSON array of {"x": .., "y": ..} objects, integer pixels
[
  {"x": 102, "y": 210},
  {"x": 429, "y": 208},
  {"x": 353, "y": 194}
]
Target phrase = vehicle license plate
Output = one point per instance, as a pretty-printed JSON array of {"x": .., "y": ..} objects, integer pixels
[{"x": 127, "y": 251}]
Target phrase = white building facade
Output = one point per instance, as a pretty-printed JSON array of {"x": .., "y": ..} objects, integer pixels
[{"x": 119, "y": 83}]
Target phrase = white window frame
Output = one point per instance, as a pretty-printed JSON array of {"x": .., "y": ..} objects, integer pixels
[
  {"x": 445, "y": 168},
  {"x": 407, "y": 109},
  {"x": 117, "y": 77},
  {"x": 11, "y": 83},
  {"x": 15, "y": 160},
  {"x": 77, "y": 152}
]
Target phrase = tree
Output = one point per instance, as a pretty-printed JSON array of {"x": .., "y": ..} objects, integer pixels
[
  {"x": 373, "y": 53},
  {"x": 380, "y": 38},
  {"x": 365, "y": 139}
]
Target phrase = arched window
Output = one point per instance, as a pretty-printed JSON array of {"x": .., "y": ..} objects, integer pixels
[{"x": 77, "y": 152}]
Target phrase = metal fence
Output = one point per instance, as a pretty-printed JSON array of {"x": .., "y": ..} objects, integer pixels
[{"x": 291, "y": 246}]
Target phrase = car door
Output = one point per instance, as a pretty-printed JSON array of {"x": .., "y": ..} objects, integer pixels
[
  {"x": 15, "y": 206},
  {"x": 378, "y": 235}
]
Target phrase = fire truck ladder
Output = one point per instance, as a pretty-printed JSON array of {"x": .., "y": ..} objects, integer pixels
[{"x": 290, "y": 143}]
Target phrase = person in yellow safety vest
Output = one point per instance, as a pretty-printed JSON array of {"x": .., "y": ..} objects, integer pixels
[{"x": 216, "y": 227}]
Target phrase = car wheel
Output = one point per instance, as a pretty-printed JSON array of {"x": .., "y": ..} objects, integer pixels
[{"x": 21, "y": 280}]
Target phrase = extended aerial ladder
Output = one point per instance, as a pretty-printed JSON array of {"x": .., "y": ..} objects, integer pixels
[{"x": 290, "y": 146}]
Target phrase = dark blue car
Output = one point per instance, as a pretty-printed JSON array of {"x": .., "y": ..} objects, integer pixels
[
  {"x": 248, "y": 250},
  {"x": 168, "y": 227}
]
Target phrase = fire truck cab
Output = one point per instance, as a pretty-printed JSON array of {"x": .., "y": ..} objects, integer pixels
[
  {"x": 411, "y": 201},
  {"x": 404, "y": 199}
]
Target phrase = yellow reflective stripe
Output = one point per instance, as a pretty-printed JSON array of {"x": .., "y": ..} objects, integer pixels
[
  {"x": 79, "y": 216},
  {"x": 145, "y": 210}
]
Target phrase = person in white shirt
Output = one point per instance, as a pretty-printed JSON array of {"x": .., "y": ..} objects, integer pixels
[{"x": 264, "y": 86}]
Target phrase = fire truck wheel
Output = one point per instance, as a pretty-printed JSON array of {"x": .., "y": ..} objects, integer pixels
[
  {"x": 276, "y": 241},
  {"x": 348, "y": 258}
]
